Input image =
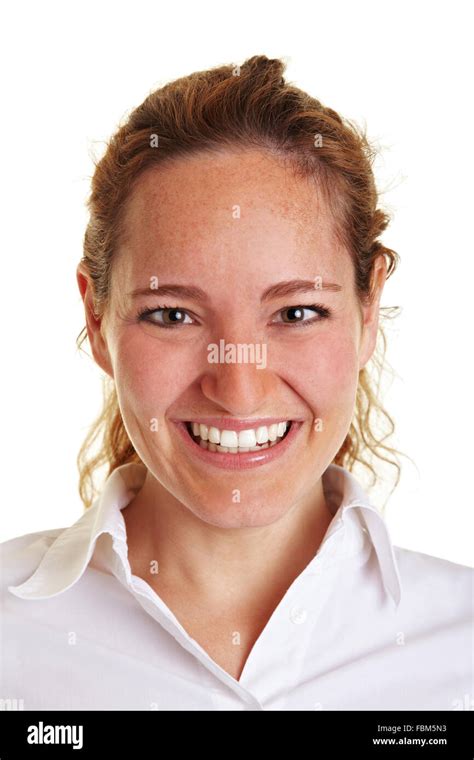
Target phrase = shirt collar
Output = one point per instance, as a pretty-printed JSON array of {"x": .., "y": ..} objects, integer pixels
[
  {"x": 65, "y": 561},
  {"x": 344, "y": 495}
]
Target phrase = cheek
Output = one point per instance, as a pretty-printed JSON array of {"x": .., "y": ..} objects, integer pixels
[
  {"x": 326, "y": 372},
  {"x": 149, "y": 377}
]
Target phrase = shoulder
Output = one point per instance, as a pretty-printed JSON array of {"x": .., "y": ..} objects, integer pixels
[
  {"x": 21, "y": 555},
  {"x": 435, "y": 582},
  {"x": 423, "y": 568}
]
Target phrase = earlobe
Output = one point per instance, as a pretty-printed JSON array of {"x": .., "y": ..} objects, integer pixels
[
  {"x": 95, "y": 335},
  {"x": 369, "y": 339}
]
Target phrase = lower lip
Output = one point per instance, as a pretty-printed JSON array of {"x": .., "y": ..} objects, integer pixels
[{"x": 239, "y": 461}]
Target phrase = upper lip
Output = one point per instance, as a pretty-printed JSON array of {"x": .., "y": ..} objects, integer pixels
[{"x": 229, "y": 423}]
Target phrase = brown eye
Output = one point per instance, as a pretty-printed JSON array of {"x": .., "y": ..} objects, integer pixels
[
  {"x": 170, "y": 316},
  {"x": 296, "y": 315},
  {"x": 173, "y": 316}
]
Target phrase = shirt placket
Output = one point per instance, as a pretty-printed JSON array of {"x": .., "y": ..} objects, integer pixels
[
  {"x": 154, "y": 606},
  {"x": 275, "y": 663}
]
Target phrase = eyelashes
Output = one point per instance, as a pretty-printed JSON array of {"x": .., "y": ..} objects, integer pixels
[
  {"x": 321, "y": 311},
  {"x": 144, "y": 316}
]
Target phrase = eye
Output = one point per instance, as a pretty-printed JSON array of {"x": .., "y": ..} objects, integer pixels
[
  {"x": 172, "y": 316},
  {"x": 296, "y": 314}
]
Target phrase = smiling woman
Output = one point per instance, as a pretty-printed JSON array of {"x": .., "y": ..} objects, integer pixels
[{"x": 232, "y": 277}]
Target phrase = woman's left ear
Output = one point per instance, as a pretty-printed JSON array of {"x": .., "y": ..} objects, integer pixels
[{"x": 370, "y": 312}]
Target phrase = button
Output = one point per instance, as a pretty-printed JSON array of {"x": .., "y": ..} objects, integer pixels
[{"x": 298, "y": 615}]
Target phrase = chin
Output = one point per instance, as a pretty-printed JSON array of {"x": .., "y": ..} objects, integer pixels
[{"x": 254, "y": 515}]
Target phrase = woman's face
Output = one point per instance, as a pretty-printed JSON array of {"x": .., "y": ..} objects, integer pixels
[{"x": 233, "y": 225}]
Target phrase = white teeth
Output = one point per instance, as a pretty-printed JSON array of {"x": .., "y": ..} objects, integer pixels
[
  {"x": 225, "y": 450},
  {"x": 232, "y": 441},
  {"x": 272, "y": 432},
  {"x": 262, "y": 434},
  {"x": 214, "y": 435},
  {"x": 247, "y": 438},
  {"x": 229, "y": 438}
]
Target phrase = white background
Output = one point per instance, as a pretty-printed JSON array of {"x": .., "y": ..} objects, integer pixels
[{"x": 71, "y": 72}]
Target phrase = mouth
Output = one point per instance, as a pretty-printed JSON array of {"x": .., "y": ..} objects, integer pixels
[
  {"x": 242, "y": 449},
  {"x": 233, "y": 442}
]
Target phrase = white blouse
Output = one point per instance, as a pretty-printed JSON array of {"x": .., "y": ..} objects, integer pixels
[{"x": 365, "y": 626}]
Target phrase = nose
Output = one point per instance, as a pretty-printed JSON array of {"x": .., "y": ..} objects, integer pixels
[{"x": 243, "y": 385}]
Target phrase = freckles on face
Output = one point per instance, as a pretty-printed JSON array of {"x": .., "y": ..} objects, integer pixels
[
  {"x": 330, "y": 369},
  {"x": 153, "y": 375},
  {"x": 181, "y": 229},
  {"x": 325, "y": 376},
  {"x": 149, "y": 376}
]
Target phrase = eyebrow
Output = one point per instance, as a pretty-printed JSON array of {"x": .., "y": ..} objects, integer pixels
[{"x": 280, "y": 289}]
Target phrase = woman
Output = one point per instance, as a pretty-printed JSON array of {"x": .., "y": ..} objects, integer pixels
[{"x": 231, "y": 279}]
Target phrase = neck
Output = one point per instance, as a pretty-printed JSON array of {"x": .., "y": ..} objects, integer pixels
[{"x": 178, "y": 553}]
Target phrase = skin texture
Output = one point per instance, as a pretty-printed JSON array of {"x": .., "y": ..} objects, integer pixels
[{"x": 216, "y": 557}]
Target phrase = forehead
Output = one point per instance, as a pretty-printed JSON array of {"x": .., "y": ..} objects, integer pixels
[{"x": 223, "y": 210}]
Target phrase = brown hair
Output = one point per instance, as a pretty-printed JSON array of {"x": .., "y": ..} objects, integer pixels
[{"x": 252, "y": 106}]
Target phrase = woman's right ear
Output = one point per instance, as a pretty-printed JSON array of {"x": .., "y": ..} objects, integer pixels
[{"x": 95, "y": 335}]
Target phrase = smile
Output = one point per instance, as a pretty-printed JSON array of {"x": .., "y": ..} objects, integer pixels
[
  {"x": 237, "y": 442},
  {"x": 238, "y": 449}
]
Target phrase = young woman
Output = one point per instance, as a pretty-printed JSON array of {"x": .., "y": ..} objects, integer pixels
[{"x": 231, "y": 279}]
